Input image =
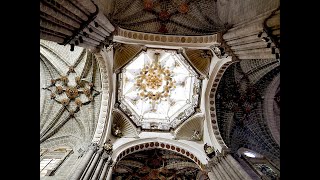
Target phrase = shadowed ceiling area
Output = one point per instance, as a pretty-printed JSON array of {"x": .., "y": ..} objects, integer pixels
[
  {"x": 247, "y": 97},
  {"x": 179, "y": 17},
  {"x": 156, "y": 164}
]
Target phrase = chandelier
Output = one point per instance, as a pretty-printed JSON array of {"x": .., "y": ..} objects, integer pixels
[{"x": 155, "y": 82}]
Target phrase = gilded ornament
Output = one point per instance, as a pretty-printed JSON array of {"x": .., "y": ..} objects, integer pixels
[
  {"x": 65, "y": 101},
  {"x": 78, "y": 102},
  {"x": 71, "y": 69},
  {"x": 155, "y": 81},
  {"x": 53, "y": 81},
  {"x": 78, "y": 80},
  {"x": 71, "y": 112},
  {"x": 209, "y": 150},
  {"x": 183, "y": 8},
  {"x": 87, "y": 92},
  {"x": 72, "y": 92},
  {"x": 52, "y": 95},
  {"x": 64, "y": 79},
  {"x": 108, "y": 146},
  {"x": 59, "y": 89}
]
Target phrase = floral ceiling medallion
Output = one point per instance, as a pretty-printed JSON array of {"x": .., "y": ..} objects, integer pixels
[{"x": 72, "y": 91}]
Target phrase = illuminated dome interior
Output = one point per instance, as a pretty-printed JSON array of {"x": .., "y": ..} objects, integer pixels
[{"x": 159, "y": 89}]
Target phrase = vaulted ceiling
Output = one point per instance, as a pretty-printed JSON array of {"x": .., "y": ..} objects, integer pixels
[
  {"x": 69, "y": 95},
  {"x": 156, "y": 164},
  {"x": 179, "y": 17},
  {"x": 247, "y": 97}
]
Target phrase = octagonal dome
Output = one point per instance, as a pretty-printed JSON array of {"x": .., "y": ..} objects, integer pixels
[{"x": 158, "y": 89}]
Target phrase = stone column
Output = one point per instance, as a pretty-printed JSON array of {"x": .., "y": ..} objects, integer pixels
[
  {"x": 224, "y": 167},
  {"x": 217, "y": 172},
  {"x": 83, "y": 164},
  {"x": 237, "y": 167},
  {"x": 98, "y": 169},
  {"x": 92, "y": 164},
  {"x": 231, "y": 171},
  {"x": 223, "y": 171},
  {"x": 105, "y": 169},
  {"x": 212, "y": 176},
  {"x": 214, "y": 170},
  {"x": 109, "y": 176}
]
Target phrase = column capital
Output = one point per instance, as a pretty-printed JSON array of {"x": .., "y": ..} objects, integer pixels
[
  {"x": 108, "y": 147},
  {"x": 218, "y": 50}
]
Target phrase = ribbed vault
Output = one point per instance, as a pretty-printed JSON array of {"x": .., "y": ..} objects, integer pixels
[
  {"x": 182, "y": 17},
  {"x": 240, "y": 113},
  {"x": 200, "y": 59},
  {"x": 126, "y": 127},
  {"x": 123, "y": 53},
  {"x": 192, "y": 129},
  {"x": 66, "y": 117},
  {"x": 156, "y": 164}
]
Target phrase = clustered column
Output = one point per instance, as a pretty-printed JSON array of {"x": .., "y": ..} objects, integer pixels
[
  {"x": 224, "y": 167},
  {"x": 86, "y": 159},
  {"x": 95, "y": 165}
]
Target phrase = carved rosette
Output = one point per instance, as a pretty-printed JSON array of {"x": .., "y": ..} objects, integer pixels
[
  {"x": 78, "y": 102},
  {"x": 59, "y": 89},
  {"x": 65, "y": 102},
  {"x": 64, "y": 79},
  {"x": 72, "y": 92}
]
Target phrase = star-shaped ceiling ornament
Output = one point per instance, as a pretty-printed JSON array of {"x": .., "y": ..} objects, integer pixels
[
  {"x": 72, "y": 91},
  {"x": 166, "y": 12}
]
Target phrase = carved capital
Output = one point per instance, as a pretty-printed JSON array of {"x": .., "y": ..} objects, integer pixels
[
  {"x": 219, "y": 51},
  {"x": 108, "y": 147}
]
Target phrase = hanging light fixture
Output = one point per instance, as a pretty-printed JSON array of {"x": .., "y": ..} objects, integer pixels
[{"x": 155, "y": 82}]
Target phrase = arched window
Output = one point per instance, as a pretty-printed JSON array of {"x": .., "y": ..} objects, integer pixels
[
  {"x": 244, "y": 152},
  {"x": 257, "y": 164},
  {"x": 249, "y": 154},
  {"x": 50, "y": 160}
]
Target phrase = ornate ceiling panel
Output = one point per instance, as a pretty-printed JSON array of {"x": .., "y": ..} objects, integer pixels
[
  {"x": 155, "y": 164},
  {"x": 158, "y": 89},
  {"x": 71, "y": 93},
  {"x": 123, "y": 53},
  {"x": 122, "y": 126},
  {"x": 178, "y": 17},
  {"x": 63, "y": 52},
  {"x": 200, "y": 59},
  {"x": 240, "y": 110},
  {"x": 191, "y": 130}
]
